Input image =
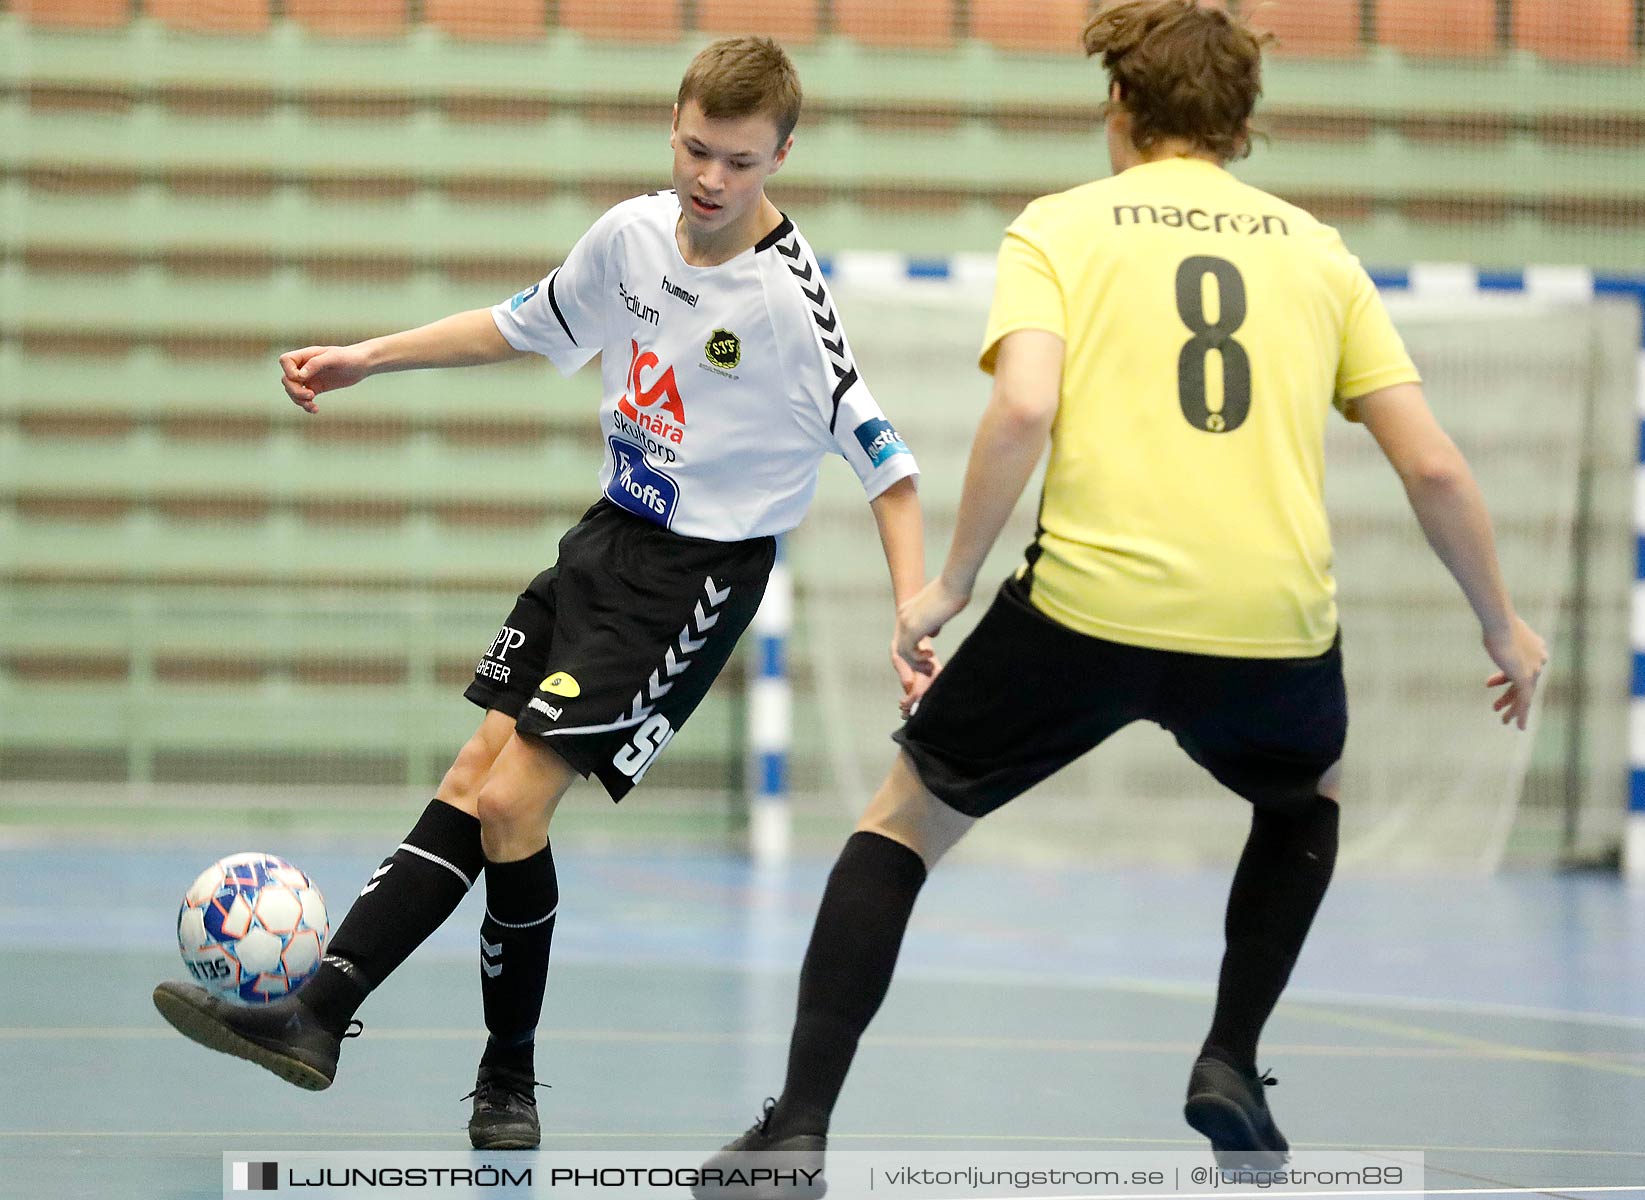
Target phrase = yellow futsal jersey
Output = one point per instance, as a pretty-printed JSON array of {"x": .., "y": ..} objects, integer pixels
[{"x": 1208, "y": 327}]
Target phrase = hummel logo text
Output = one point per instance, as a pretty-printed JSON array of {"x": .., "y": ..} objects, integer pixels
[{"x": 678, "y": 292}]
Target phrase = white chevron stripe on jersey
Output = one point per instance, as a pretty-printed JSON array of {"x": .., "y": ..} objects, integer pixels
[{"x": 832, "y": 337}]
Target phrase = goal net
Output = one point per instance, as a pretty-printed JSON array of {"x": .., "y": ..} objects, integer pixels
[{"x": 1536, "y": 391}]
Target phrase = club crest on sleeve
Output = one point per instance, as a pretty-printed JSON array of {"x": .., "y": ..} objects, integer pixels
[{"x": 521, "y": 297}]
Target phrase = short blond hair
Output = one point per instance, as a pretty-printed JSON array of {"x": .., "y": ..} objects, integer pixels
[{"x": 741, "y": 76}]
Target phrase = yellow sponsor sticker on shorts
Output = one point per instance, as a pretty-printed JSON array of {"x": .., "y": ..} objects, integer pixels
[{"x": 560, "y": 684}]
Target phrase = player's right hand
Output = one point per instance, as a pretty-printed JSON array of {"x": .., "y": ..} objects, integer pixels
[
  {"x": 1520, "y": 654},
  {"x": 307, "y": 372}
]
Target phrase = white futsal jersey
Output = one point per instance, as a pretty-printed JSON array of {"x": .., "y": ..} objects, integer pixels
[{"x": 723, "y": 386}]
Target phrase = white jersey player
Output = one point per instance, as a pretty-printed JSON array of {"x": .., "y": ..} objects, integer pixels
[{"x": 727, "y": 378}]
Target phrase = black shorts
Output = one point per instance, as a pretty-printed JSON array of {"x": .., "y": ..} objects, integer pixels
[
  {"x": 609, "y": 650},
  {"x": 1025, "y": 696}
]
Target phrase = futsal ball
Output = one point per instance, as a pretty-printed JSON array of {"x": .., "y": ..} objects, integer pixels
[{"x": 252, "y": 928}]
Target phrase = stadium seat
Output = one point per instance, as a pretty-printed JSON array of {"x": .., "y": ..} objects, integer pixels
[
  {"x": 211, "y": 16},
  {"x": 75, "y": 14},
  {"x": 1046, "y": 26},
  {"x": 637, "y": 20},
  {"x": 791, "y": 21},
  {"x": 1438, "y": 28},
  {"x": 1576, "y": 30},
  {"x": 349, "y": 18},
  {"x": 920, "y": 24},
  {"x": 488, "y": 20},
  {"x": 1310, "y": 28}
]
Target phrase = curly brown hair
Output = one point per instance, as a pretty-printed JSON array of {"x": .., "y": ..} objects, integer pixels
[
  {"x": 1183, "y": 70},
  {"x": 741, "y": 76}
]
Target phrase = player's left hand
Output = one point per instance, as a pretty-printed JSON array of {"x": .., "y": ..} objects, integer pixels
[{"x": 914, "y": 683}]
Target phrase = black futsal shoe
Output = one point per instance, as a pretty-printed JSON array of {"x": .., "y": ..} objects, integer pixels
[
  {"x": 505, "y": 1110},
  {"x": 758, "y": 1166},
  {"x": 1228, "y": 1106},
  {"x": 282, "y": 1036}
]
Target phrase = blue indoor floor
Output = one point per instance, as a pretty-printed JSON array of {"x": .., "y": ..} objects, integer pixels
[{"x": 1498, "y": 1025}]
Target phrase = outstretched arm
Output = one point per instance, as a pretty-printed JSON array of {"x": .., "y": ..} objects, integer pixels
[
  {"x": 902, "y": 536},
  {"x": 1008, "y": 445},
  {"x": 463, "y": 340},
  {"x": 1451, "y": 510}
]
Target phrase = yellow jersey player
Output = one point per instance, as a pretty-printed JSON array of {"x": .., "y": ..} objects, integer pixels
[{"x": 1181, "y": 337}]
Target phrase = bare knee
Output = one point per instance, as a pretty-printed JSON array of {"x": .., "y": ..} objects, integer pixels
[
  {"x": 461, "y": 786},
  {"x": 502, "y": 809},
  {"x": 518, "y": 798},
  {"x": 907, "y": 813}
]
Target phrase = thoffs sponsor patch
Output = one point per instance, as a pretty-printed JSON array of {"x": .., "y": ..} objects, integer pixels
[{"x": 639, "y": 487}]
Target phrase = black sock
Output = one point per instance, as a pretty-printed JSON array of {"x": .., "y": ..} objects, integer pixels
[
  {"x": 405, "y": 900},
  {"x": 515, "y": 938},
  {"x": 1281, "y": 878},
  {"x": 847, "y": 971}
]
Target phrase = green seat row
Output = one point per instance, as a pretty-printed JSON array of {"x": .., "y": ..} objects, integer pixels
[
  {"x": 145, "y": 381},
  {"x": 292, "y": 222},
  {"x": 973, "y": 77},
  {"x": 1485, "y": 232},
  {"x": 415, "y": 727},
  {"x": 146, "y": 302},
  {"x": 285, "y": 467},
  {"x": 83, "y": 672},
  {"x": 271, "y": 625},
  {"x": 280, "y": 548},
  {"x": 840, "y": 152}
]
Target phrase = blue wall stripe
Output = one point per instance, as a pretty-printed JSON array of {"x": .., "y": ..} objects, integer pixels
[
  {"x": 1391, "y": 279},
  {"x": 773, "y": 774},
  {"x": 771, "y": 658},
  {"x": 928, "y": 268},
  {"x": 1639, "y": 675},
  {"x": 1502, "y": 281},
  {"x": 1636, "y": 791}
]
